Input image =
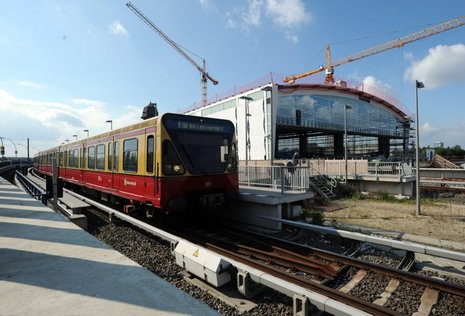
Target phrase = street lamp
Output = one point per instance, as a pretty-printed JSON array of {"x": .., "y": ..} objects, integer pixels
[
  {"x": 67, "y": 141},
  {"x": 346, "y": 107},
  {"x": 75, "y": 136},
  {"x": 418, "y": 85},
  {"x": 111, "y": 124},
  {"x": 3, "y": 148},
  {"x": 27, "y": 149},
  {"x": 269, "y": 135},
  {"x": 246, "y": 116},
  {"x": 86, "y": 131}
]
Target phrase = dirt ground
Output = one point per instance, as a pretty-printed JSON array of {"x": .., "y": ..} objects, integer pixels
[{"x": 441, "y": 219}]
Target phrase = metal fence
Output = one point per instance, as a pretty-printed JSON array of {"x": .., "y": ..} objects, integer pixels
[
  {"x": 262, "y": 174},
  {"x": 358, "y": 168},
  {"x": 275, "y": 177}
]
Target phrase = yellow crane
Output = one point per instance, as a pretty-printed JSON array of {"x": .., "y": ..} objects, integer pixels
[
  {"x": 329, "y": 66},
  {"x": 205, "y": 76}
]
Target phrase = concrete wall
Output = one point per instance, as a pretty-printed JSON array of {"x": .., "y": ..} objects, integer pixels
[
  {"x": 394, "y": 188},
  {"x": 442, "y": 173},
  {"x": 251, "y": 212}
]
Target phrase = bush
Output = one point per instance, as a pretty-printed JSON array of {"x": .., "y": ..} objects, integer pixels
[
  {"x": 313, "y": 216},
  {"x": 384, "y": 196},
  {"x": 357, "y": 196}
]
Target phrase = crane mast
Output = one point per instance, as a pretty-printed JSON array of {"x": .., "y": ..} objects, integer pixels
[
  {"x": 400, "y": 42},
  {"x": 205, "y": 76}
]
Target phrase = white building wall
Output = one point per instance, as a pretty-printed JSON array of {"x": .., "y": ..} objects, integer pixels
[
  {"x": 256, "y": 121},
  {"x": 257, "y": 130}
]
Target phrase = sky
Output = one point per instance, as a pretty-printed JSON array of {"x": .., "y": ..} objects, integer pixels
[{"x": 68, "y": 66}]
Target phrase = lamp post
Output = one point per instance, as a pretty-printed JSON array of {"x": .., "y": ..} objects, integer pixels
[
  {"x": 24, "y": 146},
  {"x": 3, "y": 148},
  {"x": 67, "y": 141},
  {"x": 418, "y": 85},
  {"x": 75, "y": 136},
  {"x": 86, "y": 131},
  {"x": 346, "y": 107},
  {"x": 269, "y": 133},
  {"x": 246, "y": 116},
  {"x": 111, "y": 124}
]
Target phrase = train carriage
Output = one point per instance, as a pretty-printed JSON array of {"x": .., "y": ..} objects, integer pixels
[{"x": 171, "y": 163}]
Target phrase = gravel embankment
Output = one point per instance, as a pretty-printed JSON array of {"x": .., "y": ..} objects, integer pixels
[{"x": 154, "y": 255}]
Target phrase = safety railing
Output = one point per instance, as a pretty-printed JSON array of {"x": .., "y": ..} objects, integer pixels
[
  {"x": 32, "y": 189},
  {"x": 283, "y": 178},
  {"x": 357, "y": 168}
]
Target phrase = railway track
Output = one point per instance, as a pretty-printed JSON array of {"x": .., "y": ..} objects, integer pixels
[{"x": 370, "y": 287}]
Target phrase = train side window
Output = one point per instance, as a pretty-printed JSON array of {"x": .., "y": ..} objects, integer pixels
[
  {"x": 150, "y": 150},
  {"x": 70, "y": 155},
  {"x": 116, "y": 161},
  {"x": 81, "y": 158},
  {"x": 110, "y": 157},
  {"x": 91, "y": 157},
  {"x": 84, "y": 160},
  {"x": 101, "y": 156},
  {"x": 76, "y": 158},
  {"x": 130, "y": 154}
]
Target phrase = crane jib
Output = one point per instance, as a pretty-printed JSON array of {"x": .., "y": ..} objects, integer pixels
[{"x": 397, "y": 43}]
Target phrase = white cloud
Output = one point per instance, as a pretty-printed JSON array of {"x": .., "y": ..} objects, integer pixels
[
  {"x": 450, "y": 134},
  {"x": 87, "y": 102},
  {"x": 288, "y": 13},
  {"x": 50, "y": 123},
  {"x": 230, "y": 21},
  {"x": 443, "y": 65},
  {"x": 253, "y": 15},
  {"x": 205, "y": 4},
  {"x": 118, "y": 29},
  {"x": 376, "y": 87},
  {"x": 293, "y": 38},
  {"x": 31, "y": 84}
]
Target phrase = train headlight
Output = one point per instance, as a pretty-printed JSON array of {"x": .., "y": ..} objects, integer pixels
[{"x": 177, "y": 168}]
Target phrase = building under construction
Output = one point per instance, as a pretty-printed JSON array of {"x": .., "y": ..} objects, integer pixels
[{"x": 274, "y": 120}]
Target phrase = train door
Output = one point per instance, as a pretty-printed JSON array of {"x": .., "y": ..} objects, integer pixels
[
  {"x": 82, "y": 162},
  {"x": 116, "y": 175},
  {"x": 150, "y": 161},
  {"x": 109, "y": 167}
]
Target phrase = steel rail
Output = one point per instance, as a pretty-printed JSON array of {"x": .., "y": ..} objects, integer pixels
[
  {"x": 425, "y": 281},
  {"x": 305, "y": 283},
  {"x": 271, "y": 255}
]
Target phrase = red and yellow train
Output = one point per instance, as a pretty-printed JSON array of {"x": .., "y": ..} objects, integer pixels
[{"x": 169, "y": 163}]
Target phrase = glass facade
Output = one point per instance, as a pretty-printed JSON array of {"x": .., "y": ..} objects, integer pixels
[
  {"x": 312, "y": 120},
  {"x": 314, "y": 124}
]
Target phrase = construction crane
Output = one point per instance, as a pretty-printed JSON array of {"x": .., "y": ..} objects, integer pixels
[
  {"x": 397, "y": 43},
  {"x": 205, "y": 76}
]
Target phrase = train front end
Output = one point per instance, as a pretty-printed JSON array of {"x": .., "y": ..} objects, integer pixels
[{"x": 198, "y": 163}]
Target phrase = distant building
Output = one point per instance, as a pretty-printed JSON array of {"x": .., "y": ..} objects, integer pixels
[
  {"x": 430, "y": 153},
  {"x": 277, "y": 119},
  {"x": 438, "y": 144}
]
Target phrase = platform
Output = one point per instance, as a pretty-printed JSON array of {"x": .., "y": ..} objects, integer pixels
[
  {"x": 253, "y": 203},
  {"x": 49, "y": 266},
  {"x": 268, "y": 196}
]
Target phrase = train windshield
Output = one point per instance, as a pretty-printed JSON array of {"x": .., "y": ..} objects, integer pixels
[{"x": 205, "y": 145}]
